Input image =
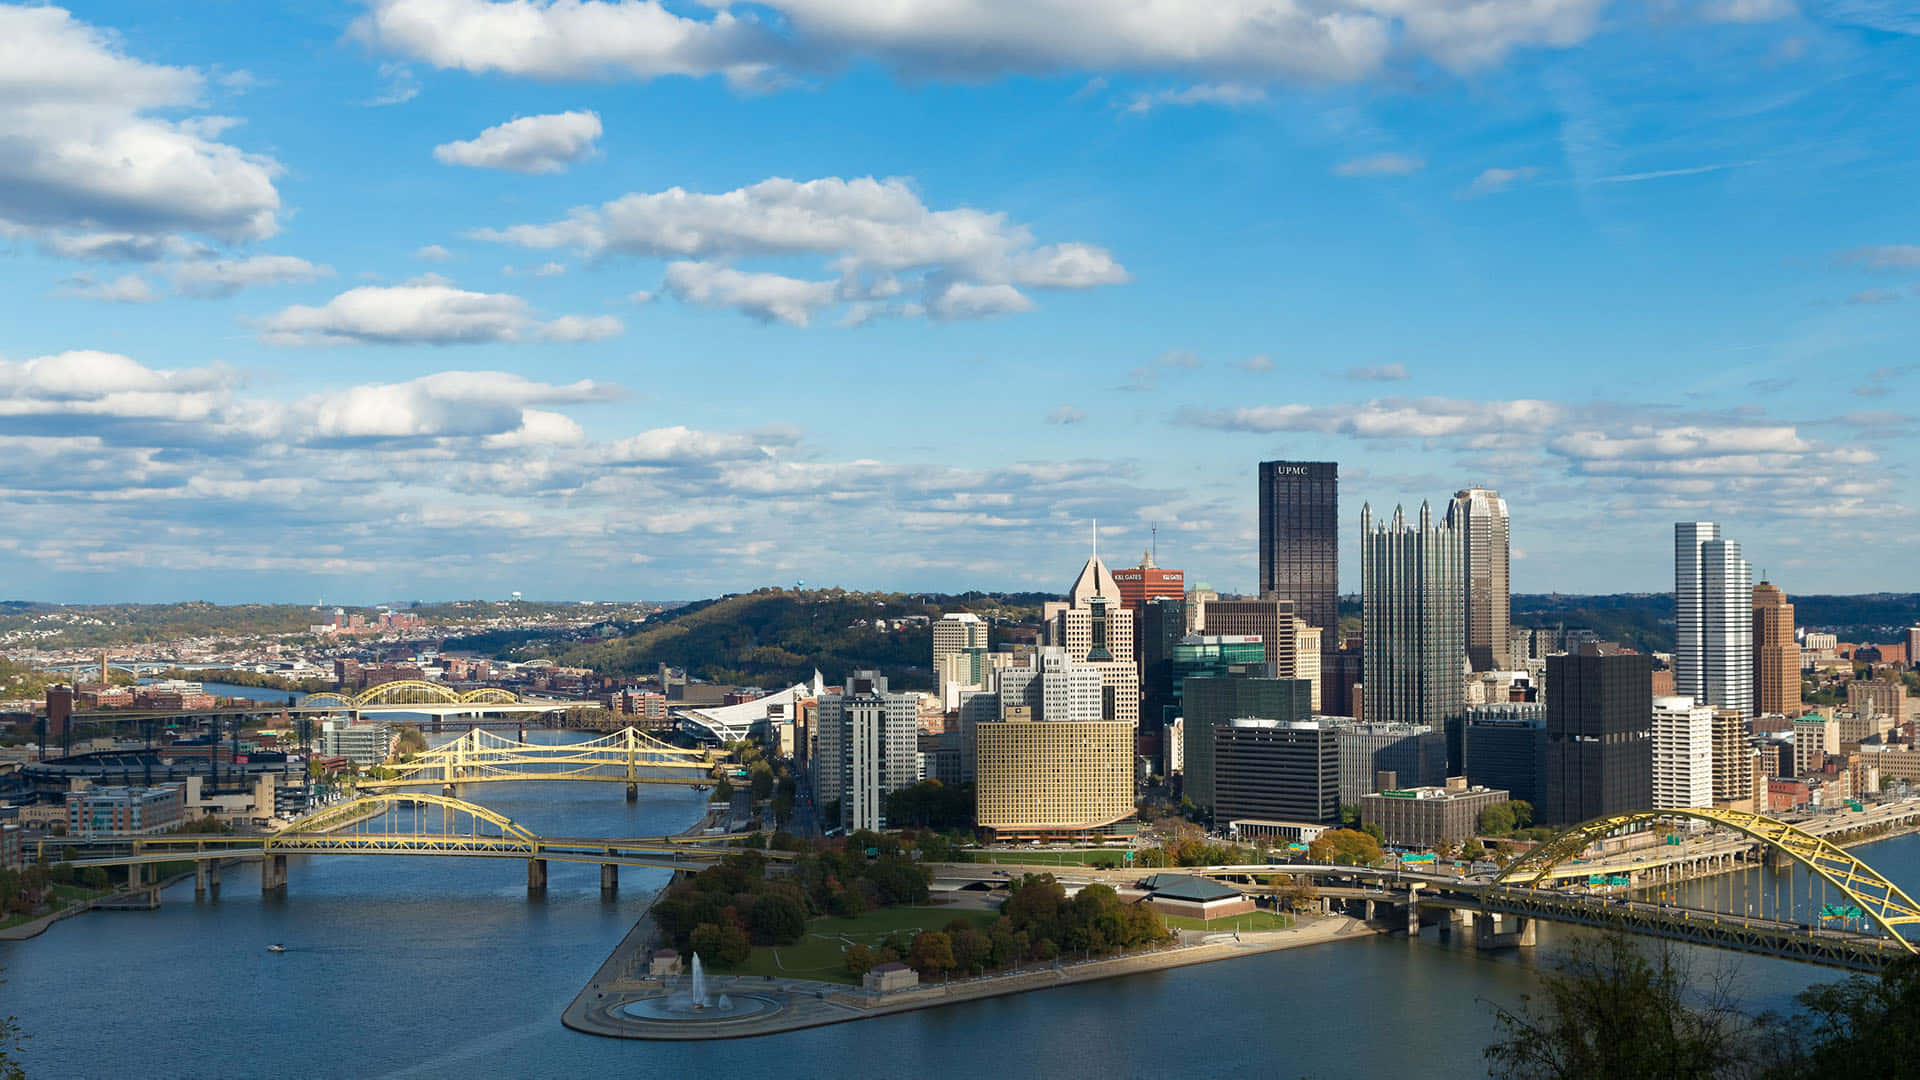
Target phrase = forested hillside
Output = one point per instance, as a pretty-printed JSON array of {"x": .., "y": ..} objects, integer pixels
[{"x": 776, "y": 637}]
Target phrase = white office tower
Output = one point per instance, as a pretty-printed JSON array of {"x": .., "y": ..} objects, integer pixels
[
  {"x": 1068, "y": 691},
  {"x": 1682, "y": 754},
  {"x": 867, "y": 749},
  {"x": 1479, "y": 515},
  {"x": 1713, "y": 593},
  {"x": 959, "y": 656},
  {"x": 1097, "y": 631}
]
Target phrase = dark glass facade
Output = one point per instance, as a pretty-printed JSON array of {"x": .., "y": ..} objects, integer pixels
[
  {"x": 1506, "y": 748},
  {"x": 1599, "y": 737},
  {"x": 1300, "y": 541},
  {"x": 1278, "y": 773},
  {"x": 1158, "y": 626},
  {"x": 1209, "y": 702}
]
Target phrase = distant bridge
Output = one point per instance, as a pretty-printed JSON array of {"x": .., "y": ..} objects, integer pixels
[
  {"x": 628, "y": 756},
  {"x": 379, "y": 824},
  {"x": 420, "y": 697},
  {"x": 1818, "y": 903}
]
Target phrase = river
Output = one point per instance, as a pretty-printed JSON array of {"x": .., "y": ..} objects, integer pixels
[{"x": 437, "y": 968}]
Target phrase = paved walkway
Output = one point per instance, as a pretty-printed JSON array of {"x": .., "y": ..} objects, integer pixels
[{"x": 806, "y": 1003}]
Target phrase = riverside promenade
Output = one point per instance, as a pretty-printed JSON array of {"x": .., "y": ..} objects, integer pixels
[{"x": 805, "y": 1003}]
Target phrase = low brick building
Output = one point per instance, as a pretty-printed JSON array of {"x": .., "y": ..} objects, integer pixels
[
  {"x": 1425, "y": 817},
  {"x": 1194, "y": 897}
]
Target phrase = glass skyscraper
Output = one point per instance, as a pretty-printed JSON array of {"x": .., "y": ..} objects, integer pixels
[
  {"x": 1480, "y": 517},
  {"x": 1300, "y": 541},
  {"x": 1413, "y": 586},
  {"x": 1713, "y": 639}
]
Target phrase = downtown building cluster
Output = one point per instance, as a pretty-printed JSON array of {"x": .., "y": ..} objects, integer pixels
[{"x": 1272, "y": 718}]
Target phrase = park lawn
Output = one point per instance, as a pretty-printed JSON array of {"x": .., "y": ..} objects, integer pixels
[
  {"x": 1253, "y": 920},
  {"x": 1117, "y": 856},
  {"x": 819, "y": 954}
]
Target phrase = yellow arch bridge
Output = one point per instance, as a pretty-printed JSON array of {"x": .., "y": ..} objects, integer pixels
[
  {"x": 1772, "y": 888},
  {"x": 400, "y": 823},
  {"x": 628, "y": 756},
  {"x": 433, "y": 699}
]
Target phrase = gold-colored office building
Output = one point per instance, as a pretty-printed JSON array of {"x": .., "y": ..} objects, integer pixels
[{"x": 1054, "y": 779}]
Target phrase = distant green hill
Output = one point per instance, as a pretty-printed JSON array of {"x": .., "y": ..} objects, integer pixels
[{"x": 776, "y": 637}]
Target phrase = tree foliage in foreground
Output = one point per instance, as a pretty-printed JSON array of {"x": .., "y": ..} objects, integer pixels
[{"x": 1612, "y": 1010}]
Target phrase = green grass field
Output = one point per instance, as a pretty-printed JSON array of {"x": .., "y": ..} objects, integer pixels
[
  {"x": 1255, "y": 920},
  {"x": 819, "y": 954}
]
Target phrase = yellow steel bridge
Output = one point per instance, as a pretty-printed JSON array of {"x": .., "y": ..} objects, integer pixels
[
  {"x": 628, "y": 756},
  {"x": 411, "y": 824}
]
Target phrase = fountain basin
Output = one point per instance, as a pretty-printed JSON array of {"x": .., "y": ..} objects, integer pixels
[{"x": 679, "y": 1009}]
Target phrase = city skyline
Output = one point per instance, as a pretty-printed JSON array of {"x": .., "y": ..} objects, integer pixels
[{"x": 347, "y": 300}]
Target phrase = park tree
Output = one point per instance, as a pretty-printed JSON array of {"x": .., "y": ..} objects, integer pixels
[
  {"x": 778, "y": 918},
  {"x": 1860, "y": 1027},
  {"x": 1522, "y": 812},
  {"x": 1349, "y": 814},
  {"x": 931, "y": 953},
  {"x": 1344, "y": 847},
  {"x": 1497, "y": 820},
  {"x": 859, "y": 960}
]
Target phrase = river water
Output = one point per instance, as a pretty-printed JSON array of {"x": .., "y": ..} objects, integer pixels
[{"x": 443, "y": 968}]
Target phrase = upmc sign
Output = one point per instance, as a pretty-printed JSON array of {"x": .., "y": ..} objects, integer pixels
[{"x": 1290, "y": 470}]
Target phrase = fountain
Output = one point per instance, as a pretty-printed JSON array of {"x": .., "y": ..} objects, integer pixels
[{"x": 697, "y": 1003}]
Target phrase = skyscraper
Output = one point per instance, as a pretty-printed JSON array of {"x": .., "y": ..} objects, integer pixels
[
  {"x": 962, "y": 635},
  {"x": 1479, "y": 515},
  {"x": 1095, "y": 629},
  {"x": 1414, "y": 599},
  {"x": 1776, "y": 656},
  {"x": 1300, "y": 542},
  {"x": 1139, "y": 584},
  {"x": 1599, "y": 736},
  {"x": 1713, "y": 642},
  {"x": 1682, "y": 754},
  {"x": 867, "y": 747}
]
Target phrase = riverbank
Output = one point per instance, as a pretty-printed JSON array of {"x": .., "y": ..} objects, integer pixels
[
  {"x": 805, "y": 1003},
  {"x": 45, "y": 922}
]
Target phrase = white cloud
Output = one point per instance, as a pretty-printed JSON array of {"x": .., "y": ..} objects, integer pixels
[
  {"x": 964, "y": 300},
  {"x": 767, "y": 297},
  {"x": 125, "y": 289},
  {"x": 1746, "y": 11},
  {"x": 570, "y": 328},
  {"x": 398, "y": 85},
  {"x": 427, "y": 311},
  {"x": 224, "y": 277},
  {"x": 1229, "y": 41},
  {"x": 433, "y": 253},
  {"x": 1378, "y": 373},
  {"x": 1381, "y": 165},
  {"x": 1494, "y": 181},
  {"x": 450, "y": 403},
  {"x": 1225, "y": 95},
  {"x": 877, "y": 237},
  {"x": 1066, "y": 414},
  {"x": 85, "y": 156},
  {"x": 1873, "y": 296},
  {"x": 530, "y": 144},
  {"x": 1256, "y": 364},
  {"x": 548, "y": 269},
  {"x": 1885, "y": 256}
]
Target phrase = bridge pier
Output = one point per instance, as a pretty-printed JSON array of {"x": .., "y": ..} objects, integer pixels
[
  {"x": 536, "y": 877},
  {"x": 609, "y": 880},
  {"x": 1488, "y": 935},
  {"x": 1366, "y": 910},
  {"x": 633, "y": 792},
  {"x": 273, "y": 875},
  {"x": 136, "y": 875},
  {"x": 1413, "y": 910},
  {"x": 199, "y": 878}
]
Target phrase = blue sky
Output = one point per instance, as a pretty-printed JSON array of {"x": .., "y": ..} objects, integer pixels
[{"x": 444, "y": 298}]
